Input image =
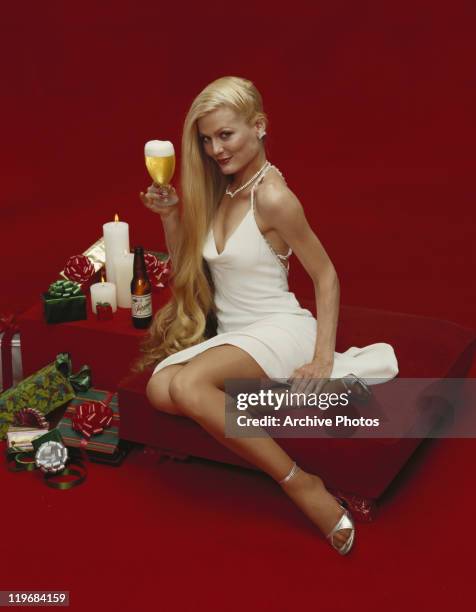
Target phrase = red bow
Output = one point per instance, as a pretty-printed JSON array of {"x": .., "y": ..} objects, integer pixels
[
  {"x": 9, "y": 327},
  {"x": 91, "y": 418}
]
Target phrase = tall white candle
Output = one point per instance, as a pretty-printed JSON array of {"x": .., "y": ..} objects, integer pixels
[
  {"x": 116, "y": 241},
  {"x": 123, "y": 265},
  {"x": 103, "y": 292}
]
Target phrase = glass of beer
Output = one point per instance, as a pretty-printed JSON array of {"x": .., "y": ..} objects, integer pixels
[{"x": 160, "y": 160}]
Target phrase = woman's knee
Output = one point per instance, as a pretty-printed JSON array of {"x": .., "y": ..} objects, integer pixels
[
  {"x": 185, "y": 391},
  {"x": 157, "y": 392}
]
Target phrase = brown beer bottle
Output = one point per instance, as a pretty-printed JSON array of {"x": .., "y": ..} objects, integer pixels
[{"x": 141, "y": 291}]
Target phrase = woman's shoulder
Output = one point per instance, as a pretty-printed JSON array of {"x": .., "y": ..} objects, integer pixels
[
  {"x": 273, "y": 194},
  {"x": 274, "y": 178}
]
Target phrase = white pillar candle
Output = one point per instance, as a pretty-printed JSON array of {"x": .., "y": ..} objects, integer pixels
[
  {"x": 103, "y": 292},
  {"x": 124, "y": 269},
  {"x": 116, "y": 241}
]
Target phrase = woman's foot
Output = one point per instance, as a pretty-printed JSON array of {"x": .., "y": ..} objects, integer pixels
[
  {"x": 357, "y": 389},
  {"x": 310, "y": 495}
]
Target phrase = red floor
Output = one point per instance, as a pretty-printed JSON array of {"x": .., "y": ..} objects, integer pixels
[{"x": 203, "y": 536}]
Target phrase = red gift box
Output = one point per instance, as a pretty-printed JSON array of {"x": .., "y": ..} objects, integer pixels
[{"x": 103, "y": 311}]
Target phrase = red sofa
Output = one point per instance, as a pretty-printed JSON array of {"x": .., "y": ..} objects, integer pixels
[{"x": 358, "y": 469}]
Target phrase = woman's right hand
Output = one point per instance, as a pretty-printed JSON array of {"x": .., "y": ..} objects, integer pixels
[{"x": 160, "y": 199}]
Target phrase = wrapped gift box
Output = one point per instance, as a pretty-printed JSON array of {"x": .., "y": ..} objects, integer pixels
[
  {"x": 96, "y": 253},
  {"x": 45, "y": 390},
  {"x": 12, "y": 352},
  {"x": 62, "y": 310},
  {"x": 22, "y": 437},
  {"x": 105, "y": 442}
]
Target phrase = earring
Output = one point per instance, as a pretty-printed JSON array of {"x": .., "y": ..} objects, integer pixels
[{"x": 262, "y": 135}]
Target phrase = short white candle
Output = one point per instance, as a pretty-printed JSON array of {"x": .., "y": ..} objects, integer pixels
[
  {"x": 103, "y": 292},
  {"x": 124, "y": 267},
  {"x": 116, "y": 241}
]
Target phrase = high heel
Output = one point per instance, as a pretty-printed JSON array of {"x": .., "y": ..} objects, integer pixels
[
  {"x": 351, "y": 384},
  {"x": 345, "y": 522},
  {"x": 360, "y": 390}
]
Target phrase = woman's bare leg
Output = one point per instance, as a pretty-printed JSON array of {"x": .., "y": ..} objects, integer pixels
[
  {"x": 157, "y": 390},
  {"x": 196, "y": 391}
]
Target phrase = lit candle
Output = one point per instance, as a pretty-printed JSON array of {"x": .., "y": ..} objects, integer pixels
[
  {"x": 116, "y": 241},
  {"x": 103, "y": 292},
  {"x": 123, "y": 265}
]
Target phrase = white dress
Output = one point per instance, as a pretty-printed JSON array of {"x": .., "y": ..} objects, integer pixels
[{"x": 257, "y": 312}]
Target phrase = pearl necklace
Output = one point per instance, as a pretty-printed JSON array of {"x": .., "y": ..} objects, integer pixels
[{"x": 232, "y": 194}]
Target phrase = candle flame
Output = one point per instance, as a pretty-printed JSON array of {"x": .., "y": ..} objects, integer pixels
[
  {"x": 116, "y": 217},
  {"x": 102, "y": 278}
]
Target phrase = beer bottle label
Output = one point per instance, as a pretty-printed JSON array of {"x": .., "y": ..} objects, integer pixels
[{"x": 141, "y": 306}]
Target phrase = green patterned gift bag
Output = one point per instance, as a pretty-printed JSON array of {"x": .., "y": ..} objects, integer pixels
[{"x": 49, "y": 388}]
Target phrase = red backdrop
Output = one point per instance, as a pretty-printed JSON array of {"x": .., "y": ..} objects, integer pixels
[{"x": 371, "y": 109}]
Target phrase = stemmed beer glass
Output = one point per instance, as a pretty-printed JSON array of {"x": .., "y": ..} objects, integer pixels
[{"x": 160, "y": 161}]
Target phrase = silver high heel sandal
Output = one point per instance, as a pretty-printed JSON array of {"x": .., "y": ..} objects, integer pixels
[
  {"x": 345, "y": 522},
  {"x": 351, "y": 384}
]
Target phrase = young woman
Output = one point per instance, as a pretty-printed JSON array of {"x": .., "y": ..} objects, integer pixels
[{"x": 230, "y": 249}]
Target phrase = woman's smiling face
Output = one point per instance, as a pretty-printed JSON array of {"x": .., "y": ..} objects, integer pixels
[{"x": 227, "y": 138}]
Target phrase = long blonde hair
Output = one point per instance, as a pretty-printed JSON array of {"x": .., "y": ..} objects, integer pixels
[{"x": 183, "y": 320}]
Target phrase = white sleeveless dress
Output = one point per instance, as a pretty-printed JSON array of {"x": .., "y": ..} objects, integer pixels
[{"x": 257, "y": 312}]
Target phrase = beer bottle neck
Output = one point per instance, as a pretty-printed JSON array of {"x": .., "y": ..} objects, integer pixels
[{"x": 140, "y": 270}]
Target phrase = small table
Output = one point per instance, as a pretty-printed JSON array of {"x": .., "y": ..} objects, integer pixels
[{"x": 108, "y": 347}]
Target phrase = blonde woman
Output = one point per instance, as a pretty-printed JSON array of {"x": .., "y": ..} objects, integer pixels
[{"x": 230, "y": 247}]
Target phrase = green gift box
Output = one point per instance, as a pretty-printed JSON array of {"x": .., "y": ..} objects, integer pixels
[
  {"x": 45, "y": 390},
  {"x": 64, "y": 302},
  {"x": 50, "y": 436}
]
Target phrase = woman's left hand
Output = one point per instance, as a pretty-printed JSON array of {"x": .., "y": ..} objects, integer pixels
[{"x": 310, "y": 378}]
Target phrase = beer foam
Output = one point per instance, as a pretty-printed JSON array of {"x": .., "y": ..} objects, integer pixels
[{"x": 159, "y": 148}]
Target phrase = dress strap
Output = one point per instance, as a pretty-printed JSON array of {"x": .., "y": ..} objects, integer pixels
[
  {"x": 259, "y": 181},
  {"x": 265, "y": 171},
  {"x": 282, "y": 259}
]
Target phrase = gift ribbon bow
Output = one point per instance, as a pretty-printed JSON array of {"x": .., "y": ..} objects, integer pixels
[
  {"x": 19, "y": 461},
  {"x": 81, "y": 381},
  {"x": 91, "y": 418},
  {"x": 31, "y": 417},
  {"x": 79, "y": 268},
  {"x": 9, "y": 327},
  {"x": 158, "y": 271},
  {"x": 64, "y": 289}
]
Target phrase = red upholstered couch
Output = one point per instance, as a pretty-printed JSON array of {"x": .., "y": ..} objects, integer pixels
[{"x": 359, "y": 469}]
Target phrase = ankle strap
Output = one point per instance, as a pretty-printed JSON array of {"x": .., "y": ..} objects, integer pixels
[{"x": 292, "y": 472}]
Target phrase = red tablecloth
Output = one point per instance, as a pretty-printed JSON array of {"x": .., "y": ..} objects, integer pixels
[{"x": 109, "y": 347}]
